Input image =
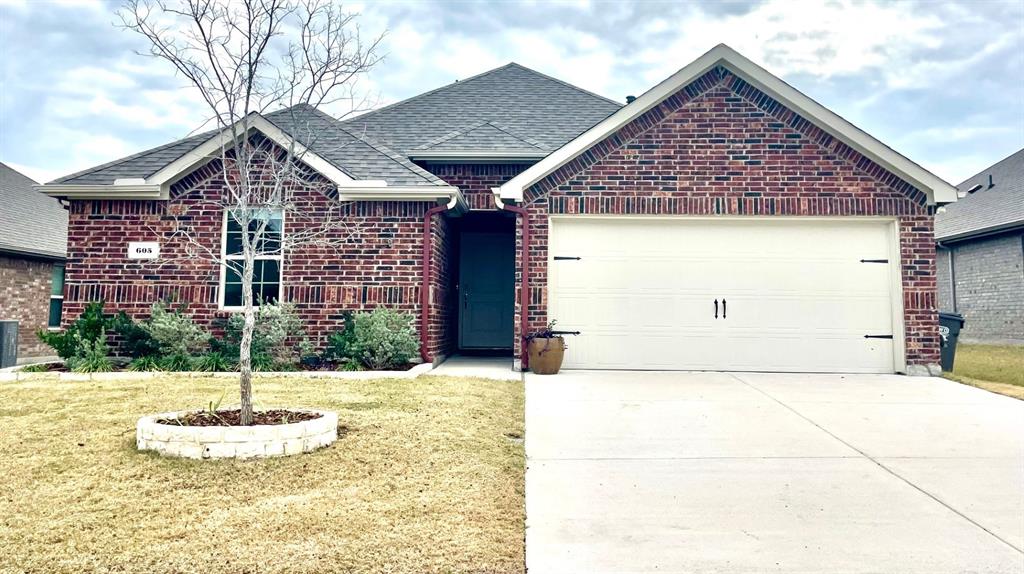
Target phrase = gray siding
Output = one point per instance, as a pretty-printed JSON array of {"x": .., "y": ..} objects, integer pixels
[
  {"x": 989, "y": 287},
  {"x": 945, "y": 280}
]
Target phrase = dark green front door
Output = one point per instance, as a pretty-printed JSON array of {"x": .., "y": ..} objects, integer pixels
[{"x": 486, "y": 290}]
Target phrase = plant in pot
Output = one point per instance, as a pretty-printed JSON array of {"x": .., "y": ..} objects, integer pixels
[{"x": 546, "y": 349}]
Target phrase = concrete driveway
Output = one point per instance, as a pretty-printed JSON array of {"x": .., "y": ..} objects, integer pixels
[{"x": 751, "y": 472}]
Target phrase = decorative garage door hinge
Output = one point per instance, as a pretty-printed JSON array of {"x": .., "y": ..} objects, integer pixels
[
  {"x": 878, "y": 336},
  {"x": 566, "y": 258},
  {"x": 874, "y": 260}
]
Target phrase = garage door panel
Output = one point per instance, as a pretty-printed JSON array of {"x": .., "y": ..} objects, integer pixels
[{"x": 799, "y": 297}]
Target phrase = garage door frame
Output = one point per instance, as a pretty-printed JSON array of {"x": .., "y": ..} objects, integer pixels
[{"x": 895, "y": 262}]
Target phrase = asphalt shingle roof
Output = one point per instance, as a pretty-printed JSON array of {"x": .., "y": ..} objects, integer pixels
[
  {"x": 350, "y": 151},
  {"x": 30, "y": 222},
  {"x": 485, "y": 136},
  {"x": 526, "y": 102},
  {"x": 510, "y": 108},
  {"x": 989, "y": 208}
]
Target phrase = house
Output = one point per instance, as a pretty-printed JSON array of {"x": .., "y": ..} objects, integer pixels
[
  {"x": 980, "y": 259},
  {"x": 720, "y": 220},
  {"x": 33, "y": 240}
]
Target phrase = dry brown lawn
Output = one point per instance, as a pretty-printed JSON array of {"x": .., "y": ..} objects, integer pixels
[
  {"x": 425, "y": 479},
  {"x": 995, "y": 368}
]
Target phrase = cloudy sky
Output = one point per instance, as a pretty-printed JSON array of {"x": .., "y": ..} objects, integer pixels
[{"x": 942, "y": 83}]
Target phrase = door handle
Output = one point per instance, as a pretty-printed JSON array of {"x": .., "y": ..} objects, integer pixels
[
  {"x": 723, "y": 308},
  {"x": 465, "y": 299},
  {"x": 716, "y": 308}
]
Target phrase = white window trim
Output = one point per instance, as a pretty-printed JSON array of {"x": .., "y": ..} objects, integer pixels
[
  {"x": 61, "y": 297},
  {"x": 225, "y": 257}
]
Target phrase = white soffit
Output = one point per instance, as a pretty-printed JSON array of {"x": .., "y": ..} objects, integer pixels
[{"x": 938, "y": 190}]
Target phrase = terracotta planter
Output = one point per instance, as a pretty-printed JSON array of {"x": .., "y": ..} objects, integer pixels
[{"x": 546, "y": 355}]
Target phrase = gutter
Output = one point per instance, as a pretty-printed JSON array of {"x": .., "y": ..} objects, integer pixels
[
  {"x": 981, "y": 233},
  {"x": 29, "y": 254},
  {"x": 524, "y": 289}
]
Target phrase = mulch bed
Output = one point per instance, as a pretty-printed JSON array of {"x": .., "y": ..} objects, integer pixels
[{"x": 231, "y": 418}]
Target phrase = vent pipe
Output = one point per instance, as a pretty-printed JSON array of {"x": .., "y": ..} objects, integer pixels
[
  {"x": 630, "y": 99},
  {"x": 990, "y": 182}
]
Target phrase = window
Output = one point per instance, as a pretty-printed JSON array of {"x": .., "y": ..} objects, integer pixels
[
  {"x": 56, "y": 296},
  {"x": 266, "y": 274}
]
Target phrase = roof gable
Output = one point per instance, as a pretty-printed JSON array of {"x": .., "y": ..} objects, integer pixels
[
  {"x": 689, "y": 78},
  {"x": 346, "y": 158}
]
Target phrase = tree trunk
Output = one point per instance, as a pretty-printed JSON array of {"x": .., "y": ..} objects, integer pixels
[{"x": 245, "y": 346}]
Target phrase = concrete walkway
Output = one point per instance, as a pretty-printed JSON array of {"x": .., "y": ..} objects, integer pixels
[
  {"x": 720, "y": 472},
  {"x": 499, "y": 368}
]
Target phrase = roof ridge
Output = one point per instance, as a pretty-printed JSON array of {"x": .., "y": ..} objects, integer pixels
[
  {"x": 452, "y": 135},
  {"x": 132, "y": 156},
  {"x": 428, "y": 92},
  {"x": 502, "y": 127},
  {"x": 145, "y": 152},
  {"x": 567, "y": 84},
  {"x": 478, "y": 76},
  {"x": 392, "y": 155},
  {"x": 18, "y": 173},
  {"x": 992, "y": 167}
]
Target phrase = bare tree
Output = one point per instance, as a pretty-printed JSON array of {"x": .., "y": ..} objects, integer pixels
[{"x": 243, "y": 58}]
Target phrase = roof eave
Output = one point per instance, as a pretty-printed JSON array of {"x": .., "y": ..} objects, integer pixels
[
  {"x": 937, "y": 190},
  {"x": 32, "y": 253},
  {"x": 445, "y": 194},
  {"x": 980, "y": 233},
  {"x": 102, "y": 191},
  {"x": 478, "y": 156}
]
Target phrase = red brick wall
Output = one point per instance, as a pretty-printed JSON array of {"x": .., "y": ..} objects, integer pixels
[
  {"x": 720, "y": 147},
  {"x": 476, "y": 180},
  {"x": 379, "y": 265},
  {"x": 25, "y": 297}
]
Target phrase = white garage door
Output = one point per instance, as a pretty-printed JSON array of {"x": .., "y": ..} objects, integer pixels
[{"x": 756, "y": 294}]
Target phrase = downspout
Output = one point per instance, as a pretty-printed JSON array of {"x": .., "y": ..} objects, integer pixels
[
  {"x": 428, "y": 244},
  {"x": 524, "y": 291}
]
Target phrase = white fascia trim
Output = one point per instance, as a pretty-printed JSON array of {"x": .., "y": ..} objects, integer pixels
[
  {"x": 938, "y": 191},
  {"x": 213, "y": 148},
  {"x": 452, "y": 196},
  {"x": 80, "y": 191},
  {"x": 428, "y": 155}
]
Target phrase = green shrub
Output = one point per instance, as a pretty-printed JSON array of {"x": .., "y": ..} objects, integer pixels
[
  {"x": 144, "y": 364},
  {"x": 278, "y": 335},
  {"x": 36, "y": 368},
  {"x": 93, "y": 357},
  {"x": 174, "y": 332},
  {"x": 176, "y": 362},
  {"x": 214, "y": 362},
  {"x": 136, "y": 339},
  {"x": 81, "y": 334},
  {"x": 339, "y": 342},
  {"x": 383, "y": 339},
  {"x": 262, "y": 362}
]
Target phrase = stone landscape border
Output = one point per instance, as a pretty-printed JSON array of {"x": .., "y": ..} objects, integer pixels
[
  {"x": 241, "y": 442},
  {"x": 15, "y": 374}
]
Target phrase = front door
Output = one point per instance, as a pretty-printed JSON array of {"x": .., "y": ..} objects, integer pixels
[{"x": 486, "y": 290}]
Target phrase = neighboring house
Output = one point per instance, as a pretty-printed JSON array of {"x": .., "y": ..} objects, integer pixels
[
  {"x": 721, "y": 220},
  {"x": 981, "y": 254},
  {"x": 33, "y": 243}
]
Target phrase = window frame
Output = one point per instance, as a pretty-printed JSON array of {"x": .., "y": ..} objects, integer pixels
[
  {"x": 279, "y": 257},
  {"x": 60, "y": 316}
]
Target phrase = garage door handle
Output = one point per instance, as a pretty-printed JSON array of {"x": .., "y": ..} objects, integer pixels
[
  {"x": 723, "y": 308},
  {"x": 716, "y": 308}
]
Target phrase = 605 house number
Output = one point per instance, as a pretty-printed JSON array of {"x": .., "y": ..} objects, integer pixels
[{"x": 143, "y": 250}]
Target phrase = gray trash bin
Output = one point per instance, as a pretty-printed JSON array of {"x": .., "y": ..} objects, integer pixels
[
  {"x": 949, "y": 328},
  {"x": 8, "y": 343}
]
